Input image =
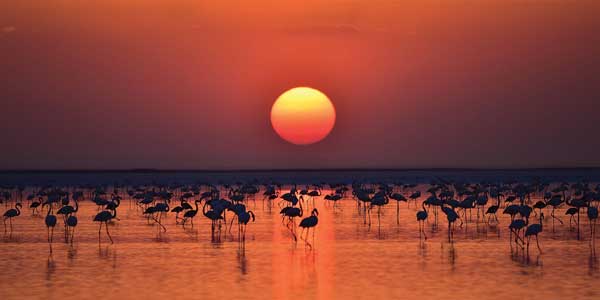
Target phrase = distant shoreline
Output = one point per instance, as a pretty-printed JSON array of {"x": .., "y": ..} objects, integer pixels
[{"x": 308, "y": 170}]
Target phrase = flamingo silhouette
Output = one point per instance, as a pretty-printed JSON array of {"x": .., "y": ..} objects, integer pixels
[
  {"x": 308, "y": 223},
  {"x": 66, "y": 211},
  {"x": 398, "y": 197},
  {"x": 190, "y": 214},
  {"x": 291, "y": 213},
  {"x": 451, "y": 216},
  {"x": 103, "y": 217},
  {"x": 11, "y": 213},
  {"x": 243, "y": 219},
  {"x": 50, "y": 222},
  {"x": 534, "y": 230},
  {"x": 421, "y": 217},
  {"x": 35, "y": 204},
  {"x": 592, "y": 214},
  {"x": 492, "y": 210},
  {"x": 215, "y": 216},
  {"x": 515, "y": 227},
  {"x": 71, "y": 223}
]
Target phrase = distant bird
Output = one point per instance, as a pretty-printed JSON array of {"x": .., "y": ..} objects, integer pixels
[
  {"x": 11, "y": 213},
  {"x": 414, "y": 196},
  {"x": 177, "y": 210},
  {"x": 104, "y": 217},
  {"x": 572, "y": 211},
  {"x": 34, "y": 205}
]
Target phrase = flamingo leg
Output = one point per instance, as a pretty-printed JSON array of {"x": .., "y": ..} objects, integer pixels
[{"x": 108, "y": 233}]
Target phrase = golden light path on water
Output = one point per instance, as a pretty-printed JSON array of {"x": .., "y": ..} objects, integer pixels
[{"x": 349, "y": 259}]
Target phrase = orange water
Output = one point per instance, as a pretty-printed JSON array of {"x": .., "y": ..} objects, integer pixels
[{"x": 348, "y": 260}]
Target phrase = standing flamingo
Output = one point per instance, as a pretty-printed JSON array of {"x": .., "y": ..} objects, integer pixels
[
  {"x": 71, "y": 223},
  {"x": 421, "y": 217},
  {"x": 11, "y": 213},
  {"x": 243, "y": 219},
  {"x": 534, "y": 230},
  {"x": 592, "y": 213},
  {"x": 398, "y": 197},
  {"x": 103, "y": 217},
  {"x": 190, "y": 214},
  {"x": 50, "y": 222},
  {"x": 308, "y": 223}
]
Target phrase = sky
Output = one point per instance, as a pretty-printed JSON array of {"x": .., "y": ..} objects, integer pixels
[{"x": 182, "y": 84}]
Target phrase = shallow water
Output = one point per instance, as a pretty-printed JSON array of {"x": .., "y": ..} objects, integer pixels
[{"x": 348, "y": 260}]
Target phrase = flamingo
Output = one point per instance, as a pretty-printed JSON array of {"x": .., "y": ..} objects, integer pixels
[
  {"x": 492, "y": 210},
  {"x": 555, "y": 201},
  {"x": 190, "y": 214},
  {"x": 103, "y": 217},
  {"x": 515, "y": 227},
  {"x": 571, "y": 212},
  {"x": 214, "y": 214},
  {"x": 35, "y": 204},
  {"x": 592, "y": 213},
  {"x": 50, "y": 222},
  {"x": 534, "y": 230},
  {"x": 71, "y": 223},
  {"x": 398, "y": 197},
  {"x": 243, "y": 219},
  {"x": 308, "y": 223},
  {"x": 421, "y": 217},
  {"x": 67, "y": 211},
  {"x": 451, "y": 216},
  {"x": 380, "y": 199},
  {"x": 11, "y": 213}
]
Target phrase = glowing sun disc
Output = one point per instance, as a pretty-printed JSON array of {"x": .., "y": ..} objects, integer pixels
[{"x": 303, "y": 116}]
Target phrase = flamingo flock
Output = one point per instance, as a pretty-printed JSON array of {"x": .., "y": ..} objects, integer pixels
[{"x": 456, "y": 204}]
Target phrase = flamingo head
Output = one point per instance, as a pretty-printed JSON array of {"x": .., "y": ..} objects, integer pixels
[{"x": 315, "y": 212}]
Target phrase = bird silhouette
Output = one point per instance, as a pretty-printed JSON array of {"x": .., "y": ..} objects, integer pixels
[
  {"x": 50, "y": 223},
  {"x": 592, "y": 214},
  {"x": 10, "y": 214},
  {"x": 104, "y": 217},
  {"x": 534, "y": 230},
  {"x": 190, "y": 214},
  {"x": 421, "y": 217},
  {"x": 308, "y": 223},
  {"x": 398, "y": 197},
  {"x": 243, "y": 219},
  {"x": 71, "y": 223}
]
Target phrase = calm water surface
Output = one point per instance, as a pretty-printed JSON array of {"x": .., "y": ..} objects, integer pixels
[{"x": 349, "y": 259}]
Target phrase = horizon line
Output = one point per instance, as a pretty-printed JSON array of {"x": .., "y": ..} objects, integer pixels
[{"x": 282, "y": 170}]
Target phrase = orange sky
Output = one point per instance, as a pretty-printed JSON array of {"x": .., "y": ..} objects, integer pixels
[{"x": 189, "y": 84}]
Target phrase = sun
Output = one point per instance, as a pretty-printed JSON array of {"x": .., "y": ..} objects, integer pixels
[{"x": 303, "y": 116}]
